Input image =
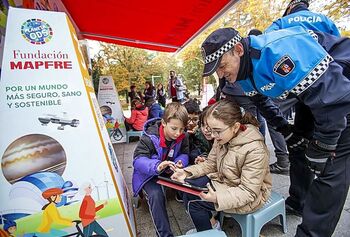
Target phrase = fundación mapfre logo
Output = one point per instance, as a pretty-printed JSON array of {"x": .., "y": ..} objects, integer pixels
[{"x": 36, "y": 31}]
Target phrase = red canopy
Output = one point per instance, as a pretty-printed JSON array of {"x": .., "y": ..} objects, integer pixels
[{"x": 161, "y": 25}]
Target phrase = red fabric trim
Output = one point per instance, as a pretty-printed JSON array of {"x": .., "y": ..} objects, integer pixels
[
  {"x": 186, "y": 18},
  {"x": 162, "y": 139},
  {"x": 182, "y": 136},
  {"x": 178, "y": 187},
  {"x": 172, "y": 88},
  {"x": 212, "y": 101},
  {"x": 242, "y": 127}
]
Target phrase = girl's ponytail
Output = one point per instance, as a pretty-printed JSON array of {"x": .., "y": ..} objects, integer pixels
[{"x": 248, "y": 118}]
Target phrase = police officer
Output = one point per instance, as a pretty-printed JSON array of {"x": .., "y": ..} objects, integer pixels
[
  {"x": 298, "y": 14},
  {"x": 291, "y": 63},
  {"x": 281, "y": 166}
]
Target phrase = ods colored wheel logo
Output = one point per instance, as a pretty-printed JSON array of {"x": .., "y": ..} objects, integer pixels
[{"x": 36, "y": 31}]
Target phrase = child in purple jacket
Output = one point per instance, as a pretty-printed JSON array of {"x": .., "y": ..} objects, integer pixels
[{"x": 163, "y": 145}]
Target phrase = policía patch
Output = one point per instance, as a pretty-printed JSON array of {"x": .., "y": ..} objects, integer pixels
[{"x": 284, "y": 66}]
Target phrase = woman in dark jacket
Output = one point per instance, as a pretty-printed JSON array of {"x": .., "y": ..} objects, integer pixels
[
  {"x": 161, "y": 95},
  {"x": 134, "y": 94},
  {"x": 149, "y": 92}
]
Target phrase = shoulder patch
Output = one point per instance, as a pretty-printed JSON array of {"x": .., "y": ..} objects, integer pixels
[{"x": 284, "y": 66}]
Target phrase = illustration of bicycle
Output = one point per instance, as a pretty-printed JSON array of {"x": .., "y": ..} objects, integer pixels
[{"x": 78, "y": 233}]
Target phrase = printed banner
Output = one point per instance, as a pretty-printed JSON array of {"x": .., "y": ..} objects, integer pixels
[
  {"x": 111, "y": 109},
  {"x": 2, "y": 40},
  {"x": 208, "y": 93},
  {"x": 59, "y": 173}
]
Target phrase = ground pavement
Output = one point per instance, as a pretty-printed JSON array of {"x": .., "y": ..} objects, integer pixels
[{"x": 180, "y": 222}]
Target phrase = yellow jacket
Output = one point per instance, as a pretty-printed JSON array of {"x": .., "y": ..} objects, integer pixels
[{"x": 51, "y": 215}]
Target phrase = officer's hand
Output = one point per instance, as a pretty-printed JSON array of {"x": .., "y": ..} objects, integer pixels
[
  {"x": 317, "y": 157},
  {"x": 295, "y": 142}
]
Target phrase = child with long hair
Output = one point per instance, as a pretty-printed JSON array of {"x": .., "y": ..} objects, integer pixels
[{"x": 236, "y": 171}]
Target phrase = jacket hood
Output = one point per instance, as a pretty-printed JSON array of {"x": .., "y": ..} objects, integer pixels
[
  {"x": 142, "y": 109},
  {"x": 250, "y": 134},
  {"x": 151, "y": 127}
]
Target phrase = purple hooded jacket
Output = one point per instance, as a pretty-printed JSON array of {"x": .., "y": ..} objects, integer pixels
[{"x": 148, "y": 154}]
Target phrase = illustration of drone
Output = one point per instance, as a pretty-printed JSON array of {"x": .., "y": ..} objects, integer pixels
[{"x": 45, "y": 120}]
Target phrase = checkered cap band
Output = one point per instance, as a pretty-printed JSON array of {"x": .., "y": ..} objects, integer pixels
[
  {"x": 313, "y": 76},
  {"x": 251, "y": 93},
  {"x": 226, "y": 47},
  {"x": 295, "y": 2},
  {"x": 313, "y": 34}
]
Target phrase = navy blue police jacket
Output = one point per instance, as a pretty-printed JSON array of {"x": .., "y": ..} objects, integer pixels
[
  {"x": 294, "y": 62},
  {"x": 310, "y": 20}
]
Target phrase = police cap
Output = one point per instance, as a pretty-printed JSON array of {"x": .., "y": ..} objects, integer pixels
[{"x": 217, "y": 44}]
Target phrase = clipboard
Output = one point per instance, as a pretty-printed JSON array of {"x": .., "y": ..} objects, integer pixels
[{"x": 184, "y": 187}]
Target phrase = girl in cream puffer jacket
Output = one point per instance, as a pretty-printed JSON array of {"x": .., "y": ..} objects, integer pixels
[{"x": 237, "y": 167}]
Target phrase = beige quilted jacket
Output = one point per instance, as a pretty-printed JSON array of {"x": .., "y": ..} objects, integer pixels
[{"x": 239, "y": 172}]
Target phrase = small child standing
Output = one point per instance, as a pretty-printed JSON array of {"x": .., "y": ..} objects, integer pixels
[{"x": 163, "y": 145}]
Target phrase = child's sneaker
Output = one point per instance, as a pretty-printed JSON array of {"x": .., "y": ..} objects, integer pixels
[
  {"x": 217, "y": 225},
  {"x": 191, "y": 231}
]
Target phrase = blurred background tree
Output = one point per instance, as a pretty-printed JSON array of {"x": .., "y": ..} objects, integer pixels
[{"x": 134, "y": 66}]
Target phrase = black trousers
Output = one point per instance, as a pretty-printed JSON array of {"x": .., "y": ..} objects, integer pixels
[
  {"x": 156, "y": 201},
  {"x": 322, "y": 199},
  {"x": 199, "y": 210}
]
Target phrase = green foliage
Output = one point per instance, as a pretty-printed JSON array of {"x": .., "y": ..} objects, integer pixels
[
  {"x": 253, "y": 14},
  {"x": 97, "y": 66},
  {"x": 338, "y": 9},
  {"x": 192, "y": 72},
  {"x": 135, "y": 66},
  {"x": 132, "y": 66}
]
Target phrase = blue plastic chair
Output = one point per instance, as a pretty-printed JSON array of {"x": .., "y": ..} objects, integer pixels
[
  {"x": 207, "y": 233},
  {"x": 132, "y": 133},
  {"x": 252, "y": 223}
]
